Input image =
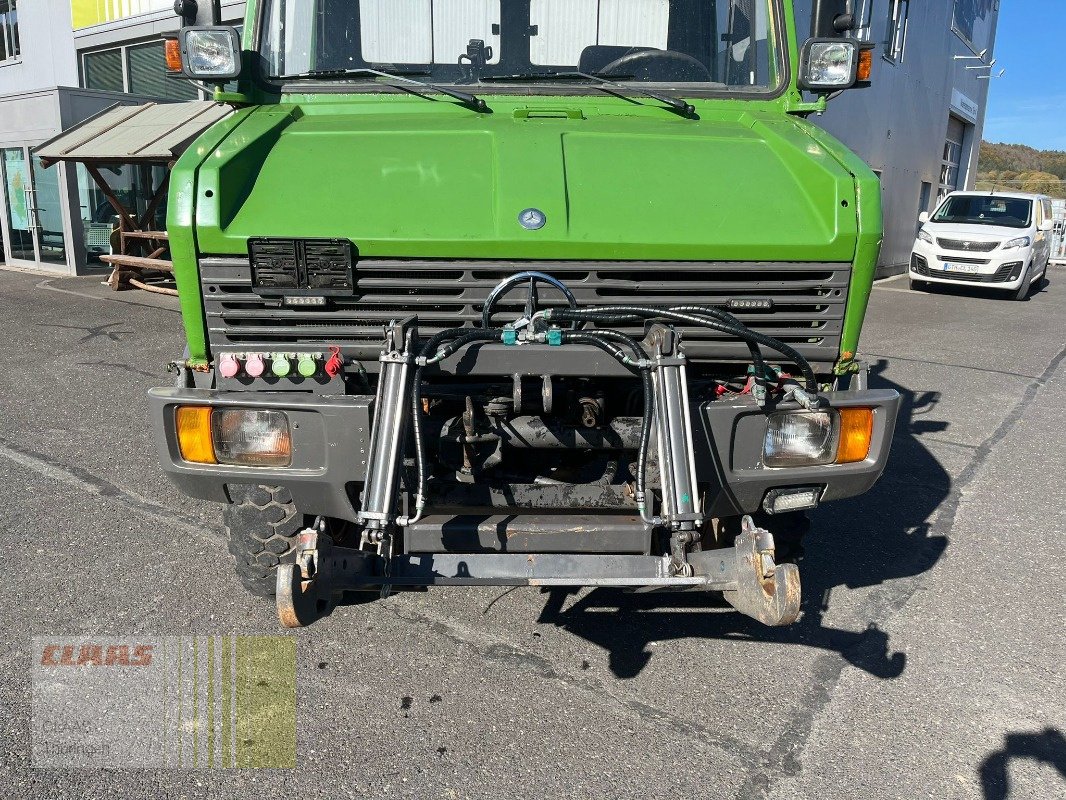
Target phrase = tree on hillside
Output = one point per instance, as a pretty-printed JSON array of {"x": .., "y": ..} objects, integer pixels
[
  {"x": 1035, "y": 182},
  {"x": 1019, "y": 158}
]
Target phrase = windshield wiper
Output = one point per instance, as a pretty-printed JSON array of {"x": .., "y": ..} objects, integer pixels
[
  {"x": 675, "y": 103},
  {"x": 467, "y": 99}
]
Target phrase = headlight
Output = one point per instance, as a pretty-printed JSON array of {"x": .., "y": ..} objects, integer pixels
[
  {"x": 801, "y": 438},
  {"x": 1021, "y": 241},
  {"x": 211, "y": 53},
  {"x": 251, "y": 438},
  {"x": 816, "y": 438},
  {"x": 925, "y": 237},
  {"x": 240, "y": 436},
  {"x": 828, "y": 64}
]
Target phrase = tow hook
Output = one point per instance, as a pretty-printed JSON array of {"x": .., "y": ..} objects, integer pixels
[
  {"x": 765, "y": 590},
  {"x": 309, "y": 589}
]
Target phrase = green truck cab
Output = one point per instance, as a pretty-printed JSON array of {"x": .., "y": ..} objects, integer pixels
[{"x": 522, "y": 292}]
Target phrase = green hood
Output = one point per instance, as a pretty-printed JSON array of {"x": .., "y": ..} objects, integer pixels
[{"x": 616, "y": 180}]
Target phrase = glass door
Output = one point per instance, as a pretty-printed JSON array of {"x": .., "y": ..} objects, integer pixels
[
  {"x": 47, "y": 213},
  {"x": 33, "y": 207},
  {"x": 19, "y": 204}
]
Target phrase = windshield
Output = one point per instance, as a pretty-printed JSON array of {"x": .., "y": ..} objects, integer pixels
[
  {"x": 1010, "y": 212},
  {"x": 715, "y": 45}
]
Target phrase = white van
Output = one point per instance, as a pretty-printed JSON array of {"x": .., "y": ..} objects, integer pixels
[{"x": 1000, "y": 240}]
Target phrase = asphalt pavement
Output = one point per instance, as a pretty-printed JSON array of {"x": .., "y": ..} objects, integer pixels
[{"x": 928, "y": 661}]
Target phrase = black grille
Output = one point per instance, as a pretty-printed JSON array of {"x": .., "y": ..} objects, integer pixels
[
  {"x": 967, "y": 246},
  {"x": 807, "y": 310},
  {"x": 301, "y": 266},
  {"x": 963, "y": 259},
  {"x": 1001, "y": 275}
]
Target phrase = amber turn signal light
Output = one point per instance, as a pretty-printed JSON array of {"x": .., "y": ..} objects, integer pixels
[
  {"x": 193, "y": 426},
  {"x": 866, "y": 65},
  {"x": 856, "y": 433},
  {"x": 172, "y": 53}
]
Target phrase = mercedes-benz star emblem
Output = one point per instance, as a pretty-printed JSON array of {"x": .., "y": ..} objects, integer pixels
[{"x": 532, "y": 219}]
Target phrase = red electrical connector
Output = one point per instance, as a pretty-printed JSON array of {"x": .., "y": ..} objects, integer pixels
[{"x": 335, "y": 363}]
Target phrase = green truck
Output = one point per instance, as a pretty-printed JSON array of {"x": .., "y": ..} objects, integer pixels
[{"x": 522, "y": 292}]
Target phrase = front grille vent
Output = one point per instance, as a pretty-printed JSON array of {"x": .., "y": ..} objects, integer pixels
[
  {"x": 967, "y": 246},
  {"x": 807, "y": 310},
  {"x": 301, "y": 266}
]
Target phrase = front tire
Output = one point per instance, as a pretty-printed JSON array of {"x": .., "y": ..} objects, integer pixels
[
  {"x": 261, "y": 527},
  {"x": 918, "y": 286},
  {"x": 1022, "y": 291}
]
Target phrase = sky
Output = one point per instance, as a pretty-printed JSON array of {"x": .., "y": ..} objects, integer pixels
[{"x": 1028, "y": 104}]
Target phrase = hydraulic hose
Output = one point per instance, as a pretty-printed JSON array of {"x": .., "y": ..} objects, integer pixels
[
  {"x": 745, "y": 334},
  {"x": 620, "y": 314},
  {"x": 461, "y": 337},
  {"x": 761, "y": 374},
  {"x": 597, "y": 338}
]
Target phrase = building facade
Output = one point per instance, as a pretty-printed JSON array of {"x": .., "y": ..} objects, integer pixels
[
  {"x": 61, "y": 62},
  {"x": 918, "y": 125}
]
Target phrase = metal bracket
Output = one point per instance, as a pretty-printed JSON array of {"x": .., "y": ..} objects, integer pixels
[
  {"x": 766, "y": 591},
  {"x": 309, "y": 589}
]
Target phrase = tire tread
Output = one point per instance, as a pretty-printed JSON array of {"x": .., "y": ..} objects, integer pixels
[{"x": 261, "y": 527}]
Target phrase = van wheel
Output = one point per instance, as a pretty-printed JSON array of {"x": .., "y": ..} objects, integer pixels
[
  {"x": 1023, "y": 291},
  {"x": 918, "y": 286}
]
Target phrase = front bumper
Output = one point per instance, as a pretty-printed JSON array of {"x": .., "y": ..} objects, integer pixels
[
  {"x": 1000, "y": 269},
  {"x": 330, "y": 440}
]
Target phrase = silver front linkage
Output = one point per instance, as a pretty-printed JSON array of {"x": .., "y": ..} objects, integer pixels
[
  {"x": 677, "y": 462},
  {"x": 387, "y": 433}
]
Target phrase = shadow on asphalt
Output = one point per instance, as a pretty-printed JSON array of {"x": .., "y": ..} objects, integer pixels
[
  {"x": 1048, "y": 747},
  {"x": 880, "y": 537}
]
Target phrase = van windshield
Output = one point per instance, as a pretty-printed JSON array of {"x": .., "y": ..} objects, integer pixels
[
  {"x": 966, "y": 209},
  {"x": 713, "y": 45}
]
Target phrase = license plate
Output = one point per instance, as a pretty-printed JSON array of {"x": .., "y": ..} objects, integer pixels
[{"x": 971, "y": 268}]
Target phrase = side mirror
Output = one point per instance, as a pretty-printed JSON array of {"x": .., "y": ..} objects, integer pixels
[
  {"x": 830, "y": 18},
  {"x": 210, "y": 53},
  {"x": 1047, "y": 225},
  {"x": 923, "y": 217}
]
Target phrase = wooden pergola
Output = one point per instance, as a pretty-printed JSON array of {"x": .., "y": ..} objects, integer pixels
[{"x": 152, "y": 134}]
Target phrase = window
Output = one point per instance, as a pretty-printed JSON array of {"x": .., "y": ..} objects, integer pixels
[
  {"x": 146, "y": 64},
  {"x": 138, "y": 68},
  {"x": 9, "y": 31},
  {"x": 423, "y": 31},
  {"x": 863, "y": 30},
  {"x": 973, "y": 21},
  {"x": 713, "y": 45},
  {"x": 967, "y": 209},
  {"x": 103, "y": 71},
  {"x": 564, "y": 28},
  {"x": 951, "y": 162},
  {"x": 896, "y": 35}
]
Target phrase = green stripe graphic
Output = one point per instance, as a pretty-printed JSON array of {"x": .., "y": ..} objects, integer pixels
[
  {"x": 211, "y": 701},
  {"x": 266, "y": 701},
  {"x": 227, "y": 702}
]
